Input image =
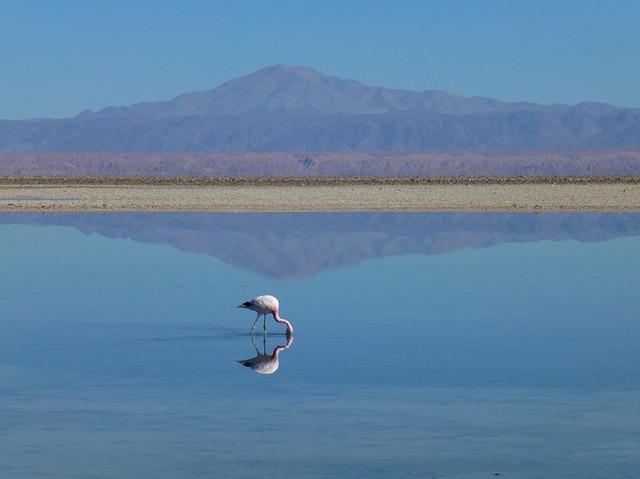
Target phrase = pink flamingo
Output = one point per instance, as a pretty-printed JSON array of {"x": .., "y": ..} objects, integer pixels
[
  {"x": 264, "y": 305},
  {"x": 263, "y": 363}
]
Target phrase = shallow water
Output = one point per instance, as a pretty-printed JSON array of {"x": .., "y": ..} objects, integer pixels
[{"x": 425, "y": 345}]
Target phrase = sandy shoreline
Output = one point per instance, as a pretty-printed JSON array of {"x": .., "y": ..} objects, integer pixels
[{"x": 244, "y": 194}]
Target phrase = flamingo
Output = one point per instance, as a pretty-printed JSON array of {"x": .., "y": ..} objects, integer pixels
[
  {"x": 264, "y": 305},
  {"x": 263, "y": 363}
]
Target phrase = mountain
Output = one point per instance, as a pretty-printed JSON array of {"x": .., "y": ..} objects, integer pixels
[
  {"x": 283, "y": 108},
  {"x": 293, "y": 245},
  {"x": 301, "y": 91}
]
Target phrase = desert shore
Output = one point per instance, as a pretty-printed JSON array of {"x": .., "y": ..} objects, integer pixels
[{"x": 262, "y": 194}]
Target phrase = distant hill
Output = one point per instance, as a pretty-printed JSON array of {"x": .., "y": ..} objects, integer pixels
[{"x": 283, "y": 108}]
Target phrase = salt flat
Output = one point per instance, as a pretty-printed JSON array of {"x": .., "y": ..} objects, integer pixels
[{"x": 319, "y": 194}]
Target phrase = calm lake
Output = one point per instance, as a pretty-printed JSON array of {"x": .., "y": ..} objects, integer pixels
[{"x": 433, "y": 345}]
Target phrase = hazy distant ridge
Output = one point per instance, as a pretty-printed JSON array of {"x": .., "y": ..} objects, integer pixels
[
  {"x": 284, "y": 108},
  {"x": 280, "y": 90},
  {"x": 498, "y": 162}
]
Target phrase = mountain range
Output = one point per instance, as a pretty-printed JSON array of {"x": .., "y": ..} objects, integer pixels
[{"x": 285, "y": 108}]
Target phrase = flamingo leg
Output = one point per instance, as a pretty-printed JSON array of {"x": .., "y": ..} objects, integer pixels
[
  {"x": 264, "y": 324},
  {"x": 254, "y": 323},
  {"x": 253, "y": 340}
]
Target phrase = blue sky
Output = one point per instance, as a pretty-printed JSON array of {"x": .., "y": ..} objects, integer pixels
[{"x": 59, "y": 57}]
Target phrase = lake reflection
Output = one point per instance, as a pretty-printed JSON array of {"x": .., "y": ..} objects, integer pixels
[{"x": 427, "y": 345}]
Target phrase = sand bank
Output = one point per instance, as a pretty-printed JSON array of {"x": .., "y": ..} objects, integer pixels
[{"x": 244, "y": 194}]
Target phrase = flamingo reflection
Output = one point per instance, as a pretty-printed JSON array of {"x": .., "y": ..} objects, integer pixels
[{"x": 264, "y": 363}]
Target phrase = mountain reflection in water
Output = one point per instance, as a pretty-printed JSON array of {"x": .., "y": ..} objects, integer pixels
[{"x": 299, "y": 245}]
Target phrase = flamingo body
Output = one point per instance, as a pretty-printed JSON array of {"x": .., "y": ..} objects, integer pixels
[{"x": 263, "y": 305}]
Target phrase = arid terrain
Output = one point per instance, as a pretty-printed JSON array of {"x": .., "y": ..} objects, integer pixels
[
  {"x": 149, "y": 193},
  {"x": 473, "y": 162}
]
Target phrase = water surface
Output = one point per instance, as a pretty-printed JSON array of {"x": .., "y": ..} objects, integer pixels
[{"x": 426, "y": 345}]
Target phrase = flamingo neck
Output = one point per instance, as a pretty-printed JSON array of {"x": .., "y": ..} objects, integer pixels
[{"x": 278, "y": 319}]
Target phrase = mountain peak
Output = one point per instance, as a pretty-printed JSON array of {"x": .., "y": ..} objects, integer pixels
[
  {"x": 297, "y": 90},
  {"x": 302, "y": 91},
  {"x": 299, "y": 70}
]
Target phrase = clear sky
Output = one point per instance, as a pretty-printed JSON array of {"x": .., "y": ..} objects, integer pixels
[{"x": 60, "y": 57}]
